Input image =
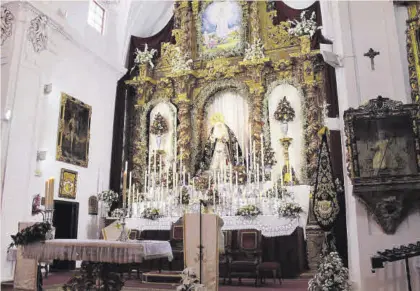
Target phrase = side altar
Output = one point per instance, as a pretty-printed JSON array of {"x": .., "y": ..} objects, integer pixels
[{"x": 228, "y": 112}]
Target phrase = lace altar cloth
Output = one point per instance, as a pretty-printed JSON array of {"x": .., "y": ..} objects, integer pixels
[
  {"x": 98, "y": 250},
  {"x": 269, "y": 225}
]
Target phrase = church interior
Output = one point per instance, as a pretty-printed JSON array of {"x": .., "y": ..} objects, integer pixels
[{"x": 210, "y": 145}]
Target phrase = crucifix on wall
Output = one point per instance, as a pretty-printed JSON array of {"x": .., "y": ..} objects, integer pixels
[{"x": 371, "y": 54}]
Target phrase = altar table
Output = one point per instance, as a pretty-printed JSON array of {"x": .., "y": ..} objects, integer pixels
[
  {"x": 101, "y": 258},
  {"x": 98, "y": 250}
]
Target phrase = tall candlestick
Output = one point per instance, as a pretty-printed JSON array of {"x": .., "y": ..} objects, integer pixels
[
  {"x": 180, "y": 160},
  {"x": 145, "y": 182},
  {"x": 167, "y": 181},
  {"x": 236, "y": 174},
  {"x": 254, "y": 160},
  {"x": 124, "y": 187},
  {"x": 247, "y": 161},
  {"x": 126, "y": 166},
  {"x": 262, "y": 152},
  {"x": 154, "y": 165},
  {"x": 160, "y": 169}
]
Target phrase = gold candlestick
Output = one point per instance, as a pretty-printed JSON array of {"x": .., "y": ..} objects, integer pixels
[{"x": 288, "y": 174}]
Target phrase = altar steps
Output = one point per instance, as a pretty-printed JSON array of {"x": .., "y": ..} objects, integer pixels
[{"x": 161, "y": 277}]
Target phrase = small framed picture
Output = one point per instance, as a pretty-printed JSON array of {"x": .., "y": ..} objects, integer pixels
[{"x": 68, "y": 184}]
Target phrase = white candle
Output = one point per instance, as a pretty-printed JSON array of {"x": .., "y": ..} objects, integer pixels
[
  {"x": 262, "y": 151},
  {"x": 180, "y": 160},
  {"x": 167, "y": 181},
  {"x": 160, "y": 169},
  {"x": 126, "y": 166},
  {"x": 236, "y": 174},
  {"x": 154, "y": 164},
  {"x": 145, "y": 182},
  {"x": 130, "y": 181},
  {"x": 183, "y": 178},
  {"x": 209, "y": 181},
  {"x": 254, "y": 160},
  {"x": 133, "y": 193},
  {"x": 189, "y": 179},
  {"x": 150, "y": 162},
  {"x": 247, "y": 161}
]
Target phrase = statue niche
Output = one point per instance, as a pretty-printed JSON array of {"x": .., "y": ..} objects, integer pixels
[{"x": 221, "y": 149}]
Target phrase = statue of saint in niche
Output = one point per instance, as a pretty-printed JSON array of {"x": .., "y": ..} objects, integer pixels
[
  {"x": 382, "y": 159},
  {"x": 220, "y": 148}
]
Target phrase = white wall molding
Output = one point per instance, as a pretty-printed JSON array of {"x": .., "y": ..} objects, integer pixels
[{"x": 57, "y": 24}]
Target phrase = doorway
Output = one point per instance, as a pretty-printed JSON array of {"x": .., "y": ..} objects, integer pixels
[{"x": 65, "y": 221}]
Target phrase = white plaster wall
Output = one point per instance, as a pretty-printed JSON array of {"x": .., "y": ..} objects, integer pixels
[
  {"x": 78, "y": 72},
  {"x": 358, "y": 26}
]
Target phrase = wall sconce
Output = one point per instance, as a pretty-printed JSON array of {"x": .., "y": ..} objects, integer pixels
[{"x": 40, "y": 156}]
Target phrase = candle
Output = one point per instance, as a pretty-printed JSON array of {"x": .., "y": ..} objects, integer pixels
[
  {"x": 145, "y": 182},
  {"x": 183, "y": 178},
  {"x": 180, "y": 160},
  {"x": 154, "y": 165},
  {"x": 160, "y": 169},
  {"x": 254, "y": 160},
  {"x": 51, "y": 191},
  {"x": 133, "y": 194},
  {"x": 262, "y": 153},
  {"x": 126, "y": 166},
  {"x": 209, "y": 181},
  {"x": 130, "y": 194},
  {"x": 167, "y": 181},
  {"x": 150, "y": 162},
  {"x": 247, "y": 161},
  {"x": 236, "y": 174},
  {"x": 124, "y": 187},
  {"x": 47, "y": 195},
  {"x": 189, "y": 179}
]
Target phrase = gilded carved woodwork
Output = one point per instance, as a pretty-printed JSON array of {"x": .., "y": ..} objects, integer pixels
[
  {"x": 413, "y": 49},
  {"x": 288, "y": 60}
]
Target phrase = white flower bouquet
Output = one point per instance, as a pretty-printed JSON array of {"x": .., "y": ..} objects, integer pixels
[
  {"x": 108, "y": 196},
  {"x": 151, "y": 213},
  {"x": 254, "y": 51},
  {"x": 180, "y": 62},
  {"x": 190, "y": 282},
  {"x": 144, "y": 57},
  {"x": 248, "y": 211},
  {"x": 304, "y": 26},
  {"x": 331, "y": 275},
  {"x": 118, "y": 213},
  {"x": 290, "y": 209}
]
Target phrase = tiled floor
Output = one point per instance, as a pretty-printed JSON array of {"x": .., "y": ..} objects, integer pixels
[{"x": 55, "y": 280}]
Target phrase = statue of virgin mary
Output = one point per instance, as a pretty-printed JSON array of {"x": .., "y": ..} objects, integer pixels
[{"x": 220, "y": 148}]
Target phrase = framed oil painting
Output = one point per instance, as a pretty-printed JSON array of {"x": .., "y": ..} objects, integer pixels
[
  {"x": 73, "y": 131},
  {"x": 221, "y": 28},
  {"x": 68, "y": 184}
]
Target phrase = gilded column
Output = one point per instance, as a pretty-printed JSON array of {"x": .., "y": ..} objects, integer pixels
[{"x": 254, "y": 21}]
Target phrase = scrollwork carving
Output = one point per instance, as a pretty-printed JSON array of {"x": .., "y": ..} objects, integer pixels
[
  {"x": 37, "y": 33},
  {"x": 7, "y": 19}
]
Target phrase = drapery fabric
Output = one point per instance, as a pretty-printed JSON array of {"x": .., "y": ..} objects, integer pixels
[{"x": 98, "y": 250}]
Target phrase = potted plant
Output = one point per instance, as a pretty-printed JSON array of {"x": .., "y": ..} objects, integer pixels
[{"x": 285, "y": 114}]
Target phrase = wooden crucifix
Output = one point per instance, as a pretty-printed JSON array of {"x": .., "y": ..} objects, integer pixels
[{"x": 371, "y": 54}]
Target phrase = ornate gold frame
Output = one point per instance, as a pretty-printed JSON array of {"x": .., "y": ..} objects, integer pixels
[
  {"x": 60, "y": 190},
  {"x": 59, "y": 156}
]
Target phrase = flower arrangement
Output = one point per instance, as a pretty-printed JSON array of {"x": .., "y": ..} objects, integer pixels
[
  {"x": 290, "y": 209},
  {"x": 108, "y": 196},
  {"x": 144, "y": 57},
  {"x": 284, "y": 111},
  {"x": 180, "y": 62},
  {"x": 118, "y": 212},
  {"x": 241, "y": 174},
  {"x": 254, "y": 51},
  {"x": 249, "y": 211},
  {"x": 190, "y": 282},
  {"x": 269, "y": 156},
  {"x": 151, "y": 213},
  {"x": 159, "y": 125},
  {"x": 202, "y": 182},
  {"x": 304, "y": 26},
  {"x": 331, "y": 275},
  {"x": 31, "y": 234},
  {"x": 185, "y": 196},
  {"x": 212, "y": 192}
]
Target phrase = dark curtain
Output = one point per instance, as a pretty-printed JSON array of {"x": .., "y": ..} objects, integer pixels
[
  {"x": 155, "y": 41},
  {"x": 340, "y": 227},
  {"x": 124, "y": 106},
  {"x": 331, "y": 91},
  {"x": 285, "y": 13}
]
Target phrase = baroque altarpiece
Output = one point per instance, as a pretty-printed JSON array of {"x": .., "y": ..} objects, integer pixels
[{"x": 234, "y": 89}]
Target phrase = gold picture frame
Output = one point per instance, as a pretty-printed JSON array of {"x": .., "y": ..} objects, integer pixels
[
  {"x": 68, "y": 184},
  {"x": 73, "y": 131}
]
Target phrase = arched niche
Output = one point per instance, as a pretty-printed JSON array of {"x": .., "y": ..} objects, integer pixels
[
  {"x": 203, "y": 102},
  {"x": 168, "y": 140},
  {"x": 273, "y": 131}
]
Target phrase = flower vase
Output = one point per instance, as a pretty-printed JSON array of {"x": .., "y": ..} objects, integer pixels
[
  {"x": 50, "y": 234},
  {"x": 158, "y": 141},
  {"x": 105, "y": 209},
  {"x": 305, "y": 44},
  {"x": 144, "y": 71},
  {"x": 284, "y": 128}
]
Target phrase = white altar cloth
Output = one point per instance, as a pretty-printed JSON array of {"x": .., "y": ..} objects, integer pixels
[{"x": 98, "y": 250}]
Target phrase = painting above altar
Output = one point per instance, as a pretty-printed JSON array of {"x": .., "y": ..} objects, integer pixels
[{"x": 220, "y": 30}]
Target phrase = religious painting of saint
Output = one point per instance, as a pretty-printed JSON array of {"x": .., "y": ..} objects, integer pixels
[
  {"x": 68, "y": 184},
  {"x": 73, "y": 131},
  {"x": 220, "y": 30}
]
